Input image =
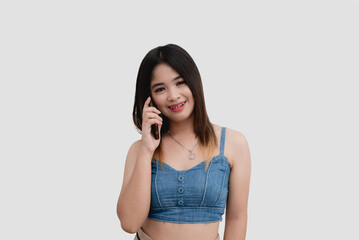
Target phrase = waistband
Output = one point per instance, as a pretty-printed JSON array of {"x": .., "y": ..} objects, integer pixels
[
  {"x": 187, "y": 214},
  {"x": 141, "y": 235}
]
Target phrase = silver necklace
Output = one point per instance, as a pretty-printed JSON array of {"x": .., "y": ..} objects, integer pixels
[{"x": 191, "y": 155}]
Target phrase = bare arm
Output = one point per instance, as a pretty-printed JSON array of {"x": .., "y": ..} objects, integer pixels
[
  {"x": 236, "y": 213},
  {"x": 134, "y": 201}
]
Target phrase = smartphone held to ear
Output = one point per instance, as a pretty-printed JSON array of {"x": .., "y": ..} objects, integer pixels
[{"x": 155, "y": 131}]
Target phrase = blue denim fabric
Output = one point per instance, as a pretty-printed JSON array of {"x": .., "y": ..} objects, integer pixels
[{"x": 193, "y": 195}]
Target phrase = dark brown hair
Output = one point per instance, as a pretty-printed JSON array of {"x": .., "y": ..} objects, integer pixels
[{"x": 182, "y": 62}]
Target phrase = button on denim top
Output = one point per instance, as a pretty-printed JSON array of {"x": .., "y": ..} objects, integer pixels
[{"x": 193, "y": 195}]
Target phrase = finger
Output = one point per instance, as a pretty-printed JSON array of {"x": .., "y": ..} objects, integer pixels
[
  {"x": 153, "y": 116},
  {"x": 152, "y": 109},
  {"x": 153, "y": 121},
  {"x": 146, "y": 103}
]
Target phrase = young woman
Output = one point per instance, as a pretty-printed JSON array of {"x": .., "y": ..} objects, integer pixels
[{"x": 178, "y": 186}]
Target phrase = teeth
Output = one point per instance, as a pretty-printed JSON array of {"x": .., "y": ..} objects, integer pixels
[{"x": 179, "y": 105}]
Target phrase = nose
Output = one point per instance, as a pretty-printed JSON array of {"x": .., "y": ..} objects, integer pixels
[{"x": 173, "y": 94}]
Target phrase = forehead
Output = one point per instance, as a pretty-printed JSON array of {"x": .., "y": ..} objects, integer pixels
[{"x": 163, "y": 73}]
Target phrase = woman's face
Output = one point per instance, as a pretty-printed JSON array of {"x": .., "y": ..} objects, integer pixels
[{"x": 170, "y": 93}]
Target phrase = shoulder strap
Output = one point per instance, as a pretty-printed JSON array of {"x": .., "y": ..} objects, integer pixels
[{"x": 223, "y": 137}]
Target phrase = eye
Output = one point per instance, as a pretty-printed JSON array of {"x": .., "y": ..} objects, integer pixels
[
  {"x": 159, "y": 89},
  {"x": 181, "y": 82}
]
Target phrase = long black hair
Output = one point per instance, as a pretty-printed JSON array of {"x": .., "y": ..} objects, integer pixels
[{"x": 182, "y": 62}]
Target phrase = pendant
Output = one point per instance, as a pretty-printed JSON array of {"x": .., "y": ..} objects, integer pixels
[{"x": 192, "y": 156}]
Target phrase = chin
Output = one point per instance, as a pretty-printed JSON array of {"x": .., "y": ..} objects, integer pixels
[{"x": 181, "y": 118}]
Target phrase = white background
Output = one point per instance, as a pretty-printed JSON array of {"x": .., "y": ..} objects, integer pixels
[{"x": 284, "y": 73}]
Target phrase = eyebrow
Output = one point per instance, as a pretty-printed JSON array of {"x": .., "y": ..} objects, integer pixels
[{"x": 158, "y": 84}]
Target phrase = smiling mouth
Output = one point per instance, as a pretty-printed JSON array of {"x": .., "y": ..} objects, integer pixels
[{"x": 177, "y": 106}]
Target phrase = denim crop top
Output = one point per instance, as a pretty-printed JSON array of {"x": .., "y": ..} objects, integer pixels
[{"x": 193, "y": 195}]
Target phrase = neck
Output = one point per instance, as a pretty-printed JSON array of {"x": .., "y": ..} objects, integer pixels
[{"x": 183, "y": 130}]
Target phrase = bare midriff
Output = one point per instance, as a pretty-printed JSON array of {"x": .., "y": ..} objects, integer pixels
[{"x": 159, "y": 230}]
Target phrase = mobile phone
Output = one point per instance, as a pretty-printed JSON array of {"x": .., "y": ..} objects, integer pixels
[
  {"x": 155, "y": 132},
  {"x": 154, "y": 127}
]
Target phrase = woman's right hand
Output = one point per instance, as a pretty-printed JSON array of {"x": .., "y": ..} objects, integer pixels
[{"x": 150, "y": 117}]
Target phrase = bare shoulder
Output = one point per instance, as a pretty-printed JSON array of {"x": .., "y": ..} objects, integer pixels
[
  {"x": 234, "y": 137},
  {"x": 236, "y": 148},
  {"x": 217, "y": 129}
]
